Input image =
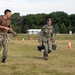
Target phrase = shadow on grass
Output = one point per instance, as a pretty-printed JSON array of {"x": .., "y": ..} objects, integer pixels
[{"x": 34, "y": 57}]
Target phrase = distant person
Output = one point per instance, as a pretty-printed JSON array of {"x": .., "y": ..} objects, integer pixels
[
  {"x": 4, "y": 28},
  {"x": 46, "y": 37}
]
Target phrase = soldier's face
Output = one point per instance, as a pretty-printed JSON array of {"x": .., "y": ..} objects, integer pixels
[
  {"x": 49, "y": 22},
  {"x": 8, "y": 14}
]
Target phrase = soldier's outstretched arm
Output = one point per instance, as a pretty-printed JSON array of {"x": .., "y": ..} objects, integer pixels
[
  {"x": 52, "y": 36},
  {"x": 12, "y": 31},
  {"x": 41, "y": 37}
]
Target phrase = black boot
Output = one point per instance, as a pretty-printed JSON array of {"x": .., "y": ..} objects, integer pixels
[
  {"x": 3, "y": 60},
  {"x": 49, "y": 51},
  {"x": 45, "y": 56}
]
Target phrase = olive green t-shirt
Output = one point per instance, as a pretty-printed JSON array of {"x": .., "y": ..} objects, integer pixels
[
  {"x": 4, "y": 22},
  {"x": 46, "y": 33}
]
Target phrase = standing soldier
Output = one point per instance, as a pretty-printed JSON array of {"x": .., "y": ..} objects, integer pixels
[
  {"x": 4, "y": 28},
  {"x": 46, "y": 37}
]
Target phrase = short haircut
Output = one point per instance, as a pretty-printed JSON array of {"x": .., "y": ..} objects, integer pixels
[
  {"x": 49, "y": 19},
  {"x": 6, "y": 11}
]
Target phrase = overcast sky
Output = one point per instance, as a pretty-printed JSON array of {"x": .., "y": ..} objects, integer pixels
[{"x": 37, "y": 6}]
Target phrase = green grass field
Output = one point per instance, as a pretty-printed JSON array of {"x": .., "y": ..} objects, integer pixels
[
  {"x": 25, "y": 59},
  {"x": 35, "y": 37}
]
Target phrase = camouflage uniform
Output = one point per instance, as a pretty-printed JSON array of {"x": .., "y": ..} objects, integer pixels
[
  {"x": 4, "y": 44},
  {"x": 46, "y": 36},
  {"x": 4, "y": 36}
]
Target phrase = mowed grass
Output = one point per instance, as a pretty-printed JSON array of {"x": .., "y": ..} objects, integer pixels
[
  {"x": 35, "y": 37},
  {"x": 25, "y": 59}
]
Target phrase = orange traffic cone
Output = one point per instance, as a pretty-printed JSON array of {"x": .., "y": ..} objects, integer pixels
[
  {"x": 69, "y": 45},
  {"x": 23, "y": 40},
  {"x": 31, "y": 39}
]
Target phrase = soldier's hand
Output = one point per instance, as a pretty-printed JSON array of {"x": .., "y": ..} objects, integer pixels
[
  {"x": 15, "y": 33},
  {"x": 6, "y": 28}
]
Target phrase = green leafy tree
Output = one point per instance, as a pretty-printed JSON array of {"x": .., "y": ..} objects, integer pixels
[
  {"x": 56, "y": 28},
  {"x": 63, "y": 28}
]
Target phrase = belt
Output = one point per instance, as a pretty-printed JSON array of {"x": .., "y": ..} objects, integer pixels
[
  {"x": 47, "y": 38},
  {"x": 3, "y": 33}
]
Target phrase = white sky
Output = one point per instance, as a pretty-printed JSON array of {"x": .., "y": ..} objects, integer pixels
[{"x": 37, "y": 6}]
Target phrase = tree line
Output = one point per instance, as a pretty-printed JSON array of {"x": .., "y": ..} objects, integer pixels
[{"x": 61, "y": 21}]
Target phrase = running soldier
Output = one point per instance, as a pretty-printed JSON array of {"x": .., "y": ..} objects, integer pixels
[
  {"x": 4, "y": 28},
  {"x": 47, "y": 38}
]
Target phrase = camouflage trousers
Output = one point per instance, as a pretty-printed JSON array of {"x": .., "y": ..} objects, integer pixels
[
  {"x": 4, "y": 44},
  {"x": 48, "y": 47}
]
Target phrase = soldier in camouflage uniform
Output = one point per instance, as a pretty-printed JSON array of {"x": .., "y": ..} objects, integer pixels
[
  {"x": 4, "y": 28},
  {"x": 47, "y": 38}
]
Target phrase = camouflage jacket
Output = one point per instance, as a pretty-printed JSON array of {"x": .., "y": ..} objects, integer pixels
[{"x": 47, "y": 34}]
